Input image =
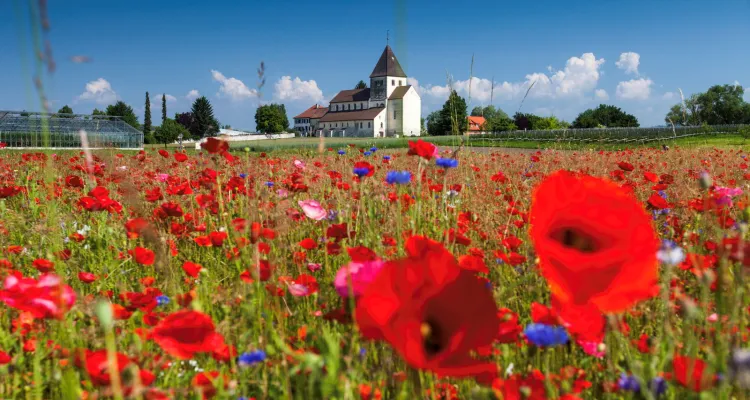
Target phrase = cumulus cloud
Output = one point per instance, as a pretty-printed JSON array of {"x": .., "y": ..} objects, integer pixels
[
  {"x": 601, "y": 94},
  {"x": 580, "y": 75},
  {"x": 668, "y": 96},
  {"x": 233, "y": 88},
  {"x": 99, "y": 91},
  {"x": 192, "y": 95},
  {"x": 634, "y": 89},
  {"x": 287, "y": 88},
  {"x": 629, "y": 62}
]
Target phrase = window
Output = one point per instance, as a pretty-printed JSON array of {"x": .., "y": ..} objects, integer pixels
[
  {"x": 399, "y": 82},
  {"x": 393, "y": 82},
  {"x": 395, "y": 114},
  {"x": 360, "y": 125},
  {"x": 368, "y": 124},
  {"x": 349, "y": 107},
  {"x": 381, "y": 125},
  {"x": 361, "y": 106}
]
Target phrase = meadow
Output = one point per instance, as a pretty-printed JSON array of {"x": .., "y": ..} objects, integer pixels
[{"x": 357, "y": 273}]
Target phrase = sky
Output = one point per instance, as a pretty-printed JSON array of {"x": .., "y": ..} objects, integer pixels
[{"x": 634, "y": 54}]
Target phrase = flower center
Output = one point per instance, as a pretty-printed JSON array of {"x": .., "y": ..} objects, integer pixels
[
  {"x": 432, "y": 338},
  {"x": 575, "y": 239}
]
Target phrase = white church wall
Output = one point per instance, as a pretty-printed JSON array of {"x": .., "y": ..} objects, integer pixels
[{"x": 412, "y": 113}]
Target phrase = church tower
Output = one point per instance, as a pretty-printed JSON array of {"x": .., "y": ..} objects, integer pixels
[{"x": 385, "y": 78}]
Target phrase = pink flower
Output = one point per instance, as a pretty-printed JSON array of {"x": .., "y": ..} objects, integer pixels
[
  {"x": 162, "y": 177},
  {"x": 312, "y": 267},
  {"x": 298, "y": 290},
  {"x": 299, "y": 164},
  {"x": 47, "y": 297},
  {"x": 313, "y": 209},
  {"x": 282, "y": 193},
  {"x": 361, "y": 273},
  {"x": 724, "y": 195},
  {"x": 592, "y": 348}
]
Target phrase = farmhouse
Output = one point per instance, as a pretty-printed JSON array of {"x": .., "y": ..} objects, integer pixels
[
  {"x": 389, "y": 107},
  {"x": 476, "y": 125}
]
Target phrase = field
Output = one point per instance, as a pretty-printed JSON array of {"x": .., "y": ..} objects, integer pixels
[{"x": 358, "y": 273}]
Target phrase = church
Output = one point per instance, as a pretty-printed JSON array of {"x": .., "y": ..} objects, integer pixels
[{"x": 388, "y": 108}]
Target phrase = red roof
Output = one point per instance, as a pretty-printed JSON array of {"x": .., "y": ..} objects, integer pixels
[
  {"x": 475, "y": 123},
  {"x": 313, "y": 112}
]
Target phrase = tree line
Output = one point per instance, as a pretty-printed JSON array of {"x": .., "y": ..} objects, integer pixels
[{"x": 720, "y": 104}]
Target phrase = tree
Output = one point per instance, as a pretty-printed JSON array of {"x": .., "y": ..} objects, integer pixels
[
  {"x": 605, "y": 115},
  {"x": 65, "y": 110},
  {"x": 125, "y": 112},
  {"x": 496, "y": 119},
  {"x": 452, "y": 119},
  {"x": 434, "y": 123},
  {"x": 98, "y": 112},
  {"x": 169, "y": 132},
  {"x": 147, "y": 116},
  {"x": 204, "y": 122},
  {"x": 187, "y": 121},
  {"x": 488, "y": 112},
  {"x": 549, "y": 123},
  {"x": 525, "y": 121},
  {"x": 163, "y": 108},
  {"x": 361, "y": 85},
  {"x": 271, "y": 118},
  {"x": 720, "y": 104}
]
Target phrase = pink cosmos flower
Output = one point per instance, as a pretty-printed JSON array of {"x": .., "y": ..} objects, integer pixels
[
  {"x": 312, "y": 267},
  {"x": 591, "y": 348},
  {"x": 724, "y": 195},
  {"x": 362, "y": 273},
  {"x": 282, "y": 193},
  {"x": 299, "y": 164},
  {"x": 47, "y": 297},
  {"x": 313, "y": 209},
  {"x": 162, "y": 177}
]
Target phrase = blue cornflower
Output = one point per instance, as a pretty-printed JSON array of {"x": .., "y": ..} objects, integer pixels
[
  {"x": 162, "y": 300},
  {"x": 400, "y": 177},
  {"x": 628, "y": 383},
  {"x": 253, "y": 357},
  {"x": 367, "y": 153},
  {"x": 332, "y": 215},
  {"x": 546, "y": 335},
  {"x": 658, "y": 386},
  {"x": 362, "y": 352},
  {"x": 269, "y": 184},
  {"x": 386, "y": 157},
  {"x": 360, "y": 172},
  {"x": 243, "y": 175},
  {"x": 373, "y": 149},
  {"x": 662, "y": 194},
  {"x": 446, "y": 162},
  {"x": 341, "y": 152}
]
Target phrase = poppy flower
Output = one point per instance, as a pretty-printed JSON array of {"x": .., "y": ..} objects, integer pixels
[
  {"x": 595, "y": 242},
  {"x": 46, "y": 297},
  {"x": 184, "y": 333},
  {"x": 86, "y": 277},
  {"x": 358, "y": 275},
  {"x": 97, "y": 366},
  {"x": 423, "y": 149},
  {"x": 692, "y": 373},
  {"x": 191, "y": 269},
  {"x": 313, "y": 209},
  {"x": 431, "y": 311},
  {"x": 215, "y": 146},
  {"x": 143, "y": 256},
  {"x": 180, "y": 157}
]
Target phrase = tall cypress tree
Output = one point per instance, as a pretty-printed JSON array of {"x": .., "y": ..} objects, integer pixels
[
  {"x": 147, "y": 117},
  {"x": 163, "y": 108}
]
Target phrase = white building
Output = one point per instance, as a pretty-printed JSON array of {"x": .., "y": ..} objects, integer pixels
[{"x": 388, "y": 108}]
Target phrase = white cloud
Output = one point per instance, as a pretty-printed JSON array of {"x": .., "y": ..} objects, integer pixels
[
  {"x": 99, "y": 91},
  {"x": 580, "y": 76},
  {"x": 668, "y": 96},
  {"x": 634, "y": 89},
  {"x": 629, "y": 62},
  {"x": 192, "y": 95},
  {"x": 287, "y": 88},
  {"x": 601, "y": 94},
  {"x": 233, "y": 88}
]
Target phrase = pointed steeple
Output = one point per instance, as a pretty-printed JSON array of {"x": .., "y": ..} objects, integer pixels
[{"x": 388, "y": 65}]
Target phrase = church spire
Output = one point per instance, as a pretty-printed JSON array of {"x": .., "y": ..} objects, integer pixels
[{"x": 388, "y": 65}]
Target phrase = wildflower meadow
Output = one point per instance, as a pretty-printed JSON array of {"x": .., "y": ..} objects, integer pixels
[{"x": 361, "y": 273}]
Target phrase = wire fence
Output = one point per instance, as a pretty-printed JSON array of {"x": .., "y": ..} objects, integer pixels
[
  {"x": 613, "y": 135},
  {"x": 38, "y": 131}
]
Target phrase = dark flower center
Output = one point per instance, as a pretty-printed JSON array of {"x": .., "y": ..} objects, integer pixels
[
  {"x": 575, "y": 239},
  {"x": 432, "y": 337}
]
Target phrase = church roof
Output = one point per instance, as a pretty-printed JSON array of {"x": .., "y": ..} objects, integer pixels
[
  {"x": 313, "y": 112},
  {"x": 399, "y": 92},
  {"x": 359, "y": 115},
  {"x": 352, "y": 95},
  {"x": 388, "y": 65}
]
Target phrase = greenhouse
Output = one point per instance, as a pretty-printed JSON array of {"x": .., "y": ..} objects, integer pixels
[{"x": 22, "y": 129}]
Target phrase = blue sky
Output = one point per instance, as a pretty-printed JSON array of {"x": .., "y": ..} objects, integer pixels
[{"x": 633, "y": 54}]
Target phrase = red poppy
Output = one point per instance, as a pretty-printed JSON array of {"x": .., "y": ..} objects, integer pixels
[
  {"x": 184, "y": 333},
  {"x": 510, "y": 330},
  {"x": 86, "y": 277},
  {"x": 143, "y": 255},
  {"x": 423, "y": 149},
  {"x": 308, "y": 244},
  {"x": 5, "y": 358},
  {"x": 164, "y": 153},
  {"x": 43, "y": 265},
  {"x": 191, "y": 269},
  {"x": 692, "y": 373},
  {"x": 657, "y": 202},
  {"x": 180, "y": 157},
  {"x": 625, "y": 166},
  {"x": 204, "y": 383},
  {"x": 595, "y": 242},
  {"x": 97, "y": 366},
  {"x": 73, "y": 181},
  {"x": 431, "y": 311},
  {"x": 215, "y": 146}
]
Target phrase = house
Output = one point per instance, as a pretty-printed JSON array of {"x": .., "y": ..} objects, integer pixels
[
  {"x": 476, "y": 125},
  {"x": 306, "y": 124},
  {"x": 389, "y": 107}
]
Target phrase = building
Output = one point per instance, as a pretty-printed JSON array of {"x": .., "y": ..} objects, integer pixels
[
  {"x": 306, "y": 124},
  {"x": 476, "y": 125},
  {"x": 388, "y": 108}
]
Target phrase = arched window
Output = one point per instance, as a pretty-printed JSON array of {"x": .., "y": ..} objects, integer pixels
[{"x": 393, "y": 82}]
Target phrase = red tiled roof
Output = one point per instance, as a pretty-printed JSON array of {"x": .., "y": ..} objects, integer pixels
[
  {"x": 475, "y": 123},
  {"x": 359, "y": 115},
  {"x": 313, "y": 112}
]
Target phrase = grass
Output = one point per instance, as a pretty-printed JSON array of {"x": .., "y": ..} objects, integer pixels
[{"x": 47, "y": 216}]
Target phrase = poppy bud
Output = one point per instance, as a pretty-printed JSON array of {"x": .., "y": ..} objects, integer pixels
[
  {"x": 104, "y": 313},
  {"x": 705, "y": 180}
]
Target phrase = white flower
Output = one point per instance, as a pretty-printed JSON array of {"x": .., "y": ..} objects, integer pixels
[{"x": 670, "y": 253}]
